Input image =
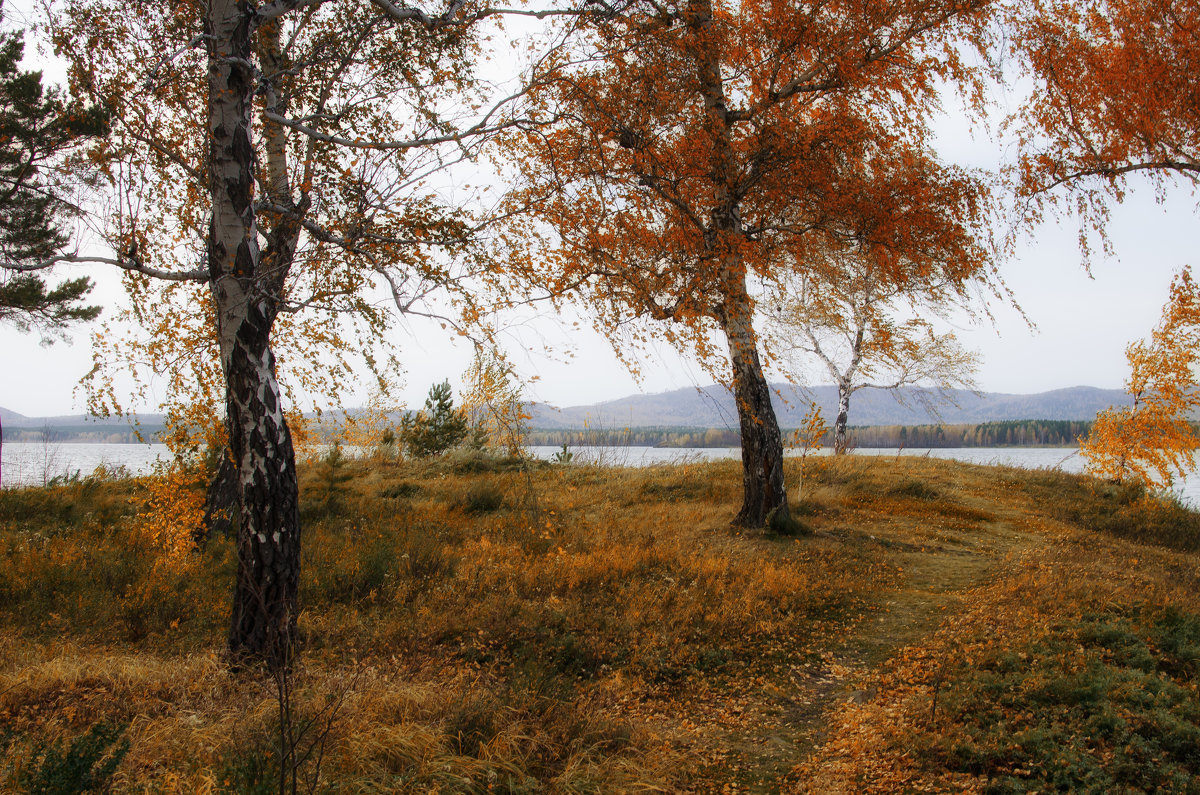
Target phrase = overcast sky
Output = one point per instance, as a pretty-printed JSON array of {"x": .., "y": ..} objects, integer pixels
[{"x": 1083, "y": 322}]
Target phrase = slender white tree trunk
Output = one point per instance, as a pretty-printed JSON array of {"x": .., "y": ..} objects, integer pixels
[
  {"x": 839, "y": 425},
  {"x": 246, "y": 296}
]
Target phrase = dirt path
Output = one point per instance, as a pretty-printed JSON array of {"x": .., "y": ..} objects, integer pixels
[{"x": 939, "y": 569}]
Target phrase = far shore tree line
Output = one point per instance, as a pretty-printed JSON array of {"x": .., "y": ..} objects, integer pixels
[
  {"x": 83, "y": 434},
  {"x": 689, "y": 171},
  {"x": 1014, "y": 433}
]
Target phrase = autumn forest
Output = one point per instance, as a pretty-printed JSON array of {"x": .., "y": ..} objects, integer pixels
[{"x": 283, "y": 186}]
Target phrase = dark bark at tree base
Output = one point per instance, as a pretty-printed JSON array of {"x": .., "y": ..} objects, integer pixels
[
  {"x": 764, "y": 499},
  {"x": 265, "y": 492},
  {"x": 222, "y": 503},
  {"x": 265, "y": 601}
]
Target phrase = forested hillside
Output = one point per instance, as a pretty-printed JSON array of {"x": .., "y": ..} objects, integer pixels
[{"x": 1020, "y": 433}]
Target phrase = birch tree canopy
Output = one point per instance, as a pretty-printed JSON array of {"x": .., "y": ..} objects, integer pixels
[
  {"x": 699, "y": 148},
  {"x": 270, "y": 166}
]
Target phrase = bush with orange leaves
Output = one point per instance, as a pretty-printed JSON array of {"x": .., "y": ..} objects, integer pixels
[
  {"x": 173, "y": 507},
  {"x": 1151, "y": 441}
]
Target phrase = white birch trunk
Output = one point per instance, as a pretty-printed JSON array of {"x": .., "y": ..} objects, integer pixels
[{"x": 246, "y": 296}]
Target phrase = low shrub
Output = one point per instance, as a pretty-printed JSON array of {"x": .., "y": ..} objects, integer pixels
[
  {"x": 52, "y": 505},
  {"x": 423, "y": 557},
  {"x": 363, "y": 572},
  {"x": 481, "y": 498},
  {"x": 86, "y": 764},
  {"x": 670, "y": 492},
  {"x": 916, "y": 489},
  {"x": 400, "y": 491},
  {"x": 469, "y": 461},
  {"x": 1108, "y": 704}
]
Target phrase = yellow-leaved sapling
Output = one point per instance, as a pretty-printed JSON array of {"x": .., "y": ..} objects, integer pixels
[
  {"x": 807, "y": 439},
  {"x": 1151, "y": 441}
]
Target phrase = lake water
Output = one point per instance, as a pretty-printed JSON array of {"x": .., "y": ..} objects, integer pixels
[
  {"x": 34, "y": 463},
  {"x": 1064, "y": 458}
]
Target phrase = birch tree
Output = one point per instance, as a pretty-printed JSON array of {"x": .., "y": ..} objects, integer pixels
[
  {"x": 1114, "y": 98},
  {"x": 271, "y": 164},
  {"x": 867, "y": 328},
  {"x": 701, "y": 147},
  {"x": 1152, "y": 441}
]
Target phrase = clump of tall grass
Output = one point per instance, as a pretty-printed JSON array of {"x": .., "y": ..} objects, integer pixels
[
  {"x": 85, "y": 763},
  {"x": 913, "y": 488},
  {"x": 1126, "y": 510},
  {"x": 482, "y": 497}
]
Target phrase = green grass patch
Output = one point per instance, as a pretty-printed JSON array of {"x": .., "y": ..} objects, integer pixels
[
  {"x": 1106, "y": 704},
  {"x": 84, "y": 764},
  {"x": 916, "y": 489}
]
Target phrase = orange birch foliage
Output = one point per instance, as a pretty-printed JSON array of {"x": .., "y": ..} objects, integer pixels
[
  {"x": 1117, "y": 93},
  {"x": 1152, "y": 441},
  {"x": 697, "y": 149},
  {"x": 173, "y": 508}
]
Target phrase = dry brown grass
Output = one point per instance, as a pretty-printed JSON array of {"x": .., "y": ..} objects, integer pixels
[{"x": 577, "y": 630}]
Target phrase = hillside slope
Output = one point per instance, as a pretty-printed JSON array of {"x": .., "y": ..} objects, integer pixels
[{"x": 473, "y": 627}]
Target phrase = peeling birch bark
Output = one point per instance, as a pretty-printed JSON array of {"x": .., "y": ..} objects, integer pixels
[{"x": 246, "y": 293}]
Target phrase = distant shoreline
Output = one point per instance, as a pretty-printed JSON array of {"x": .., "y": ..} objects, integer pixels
[
  {"x": 1009, "y": 433},
  {"x": 64, "y": 435},
  {"x": 1062, "y": 434}
]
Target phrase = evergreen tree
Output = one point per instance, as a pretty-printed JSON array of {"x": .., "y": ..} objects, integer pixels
[
  {"x": 436, "y": 428},
  {"x": 36, "y": 128}
]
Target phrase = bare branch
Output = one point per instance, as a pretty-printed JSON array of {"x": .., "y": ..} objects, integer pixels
[
  {"x": 1188, "y": 169},
  {"x": 278, "y": 8},
  {"x": 481, "y": 128},
  {"x": 132, "y": 265},
  {"x": 152, "y": 74},
  {"x": 407, "y": 13}
]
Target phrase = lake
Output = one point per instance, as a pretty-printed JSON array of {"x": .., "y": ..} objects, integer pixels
[
  {"x": 33, "y": 463},
  {"x": 1064, "y": 458}
]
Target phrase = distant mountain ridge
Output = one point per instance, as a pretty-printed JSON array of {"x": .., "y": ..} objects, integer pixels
[
  {"x": 80, "y": 428},
  {"x": 713, "y": 407},
  {"x": 708, "y": 407},
  {"x": 12, "y": 419}
]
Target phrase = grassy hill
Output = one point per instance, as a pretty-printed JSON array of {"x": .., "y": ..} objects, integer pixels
[{"x": 470, "y": 627}]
